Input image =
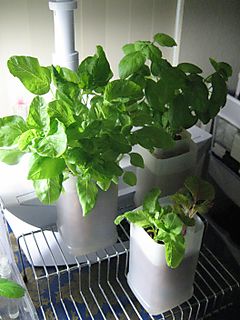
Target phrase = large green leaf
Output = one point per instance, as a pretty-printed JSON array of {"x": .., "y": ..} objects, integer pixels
[
  {"x": 149, "y": 137},
  {"x": 164, "y": 40},
  {"x": 219, "y": 94},
  {"x": 45, "y": 168},
  {"x": 11, "y": 289},
  {"x": 68, "y": 75},
  {"x": 174, "y": 251},
  {"x": 35, "y": 78},
  {"x": 95, "y": 70},
  {"x": 196, "y": 93},
  {"x": 10, "y": 156},
  {"x": 130, "y": 64},
  {"x": 11, "y": 127},
  {"x": 48, "y": 190},
  {"x": 122, "y": 90},
  {"x": 55, "y": 143},
  {"x": 150, "y": 202},
  {"x": 57, "y": 109},
  {"x": 37, "y": 116},
  {"x": 87, "y": 193}
]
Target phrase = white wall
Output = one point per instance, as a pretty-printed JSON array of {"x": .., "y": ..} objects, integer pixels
[
  {"x": 211, "y": 28},
  {"x": 26, "y": 28}
]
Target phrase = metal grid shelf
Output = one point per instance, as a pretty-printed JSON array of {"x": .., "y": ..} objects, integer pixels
[{"x": 95, "y": 286}]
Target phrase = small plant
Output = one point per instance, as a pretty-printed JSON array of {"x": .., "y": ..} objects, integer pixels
[
  {"x": 167, "y": 223},
  {"x": 175, "y": 97},
  {"x": 11, "y": 289}
]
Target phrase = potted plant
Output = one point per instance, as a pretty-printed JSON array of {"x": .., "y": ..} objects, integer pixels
[
  {"x": 76, "y": 132},
  {"x": 175, "y": 98},
  {"x": 165, "y": 241}
]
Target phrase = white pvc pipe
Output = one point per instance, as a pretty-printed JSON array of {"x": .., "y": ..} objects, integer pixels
[
  {"x": 178, "y": 30},
  {"x": 63, "y": 13}
]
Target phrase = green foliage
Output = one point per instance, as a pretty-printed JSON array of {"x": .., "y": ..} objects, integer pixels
[
  {"x": 129, "y": 178},
  {"x": 35, "y": 78},
  {"x": 195, "y": 197},
  {"x": 165, "y": 224},
  {"x": 48, "y": 190},
  {"x": 11, "y": 127},
  {"x": 84, "y": 130},
  {"x": 10, "y": 156},
  {"x": 10, "y": 289},
  {"x": 175, "y": 97}
]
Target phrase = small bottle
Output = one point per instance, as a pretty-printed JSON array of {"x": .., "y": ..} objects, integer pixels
[{"x": 5, "y": 272}]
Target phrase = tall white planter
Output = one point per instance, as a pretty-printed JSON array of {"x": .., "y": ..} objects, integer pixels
[
  {"x": 158, "y": 287},
  {"x": 165, "y": 169},
  {"x": 83, "y": 235}
]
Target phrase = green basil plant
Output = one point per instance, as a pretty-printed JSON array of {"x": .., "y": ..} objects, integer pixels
[
  {"x": 175, "y": 97},
  {"x": 77, "y": 125},
  {"x": 167, "y": 223}
]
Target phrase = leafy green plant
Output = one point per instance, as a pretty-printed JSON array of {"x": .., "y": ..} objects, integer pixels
[
  {"x": 11, "y": 289},
  {"x": 167, "y": 223},
  {"x": 77, "y": 125},
  {"x": 196, "y": 196},
  {"x": 175, "y": 97}
]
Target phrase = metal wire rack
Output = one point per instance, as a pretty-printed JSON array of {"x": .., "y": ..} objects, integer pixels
[{"x": 95, "y": 286}]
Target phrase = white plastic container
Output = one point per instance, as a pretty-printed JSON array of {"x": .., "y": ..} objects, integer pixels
[
  {"x": 158, "y": 287},
  {"x": 83, "y": 235},
  {"x": 168, "y": 173},
  {"x": 22, "y": 308}
]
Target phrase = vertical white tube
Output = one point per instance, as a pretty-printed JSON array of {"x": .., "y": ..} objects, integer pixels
[
  {"x": 178, "y": 30},
  {"x": 64, "y": 39}
]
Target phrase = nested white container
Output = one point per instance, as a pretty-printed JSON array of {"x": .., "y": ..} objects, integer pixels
[
  {"x": 157, "y": 286},
  {"x": 165, "y": 169},
  {"x": 83, "y": 235}
]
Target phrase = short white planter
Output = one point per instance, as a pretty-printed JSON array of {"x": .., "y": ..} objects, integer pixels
[
  {"x": 158, "y": 287},
  {"x": 83, "y": 235},
  {"x": 165, "y": 169}
]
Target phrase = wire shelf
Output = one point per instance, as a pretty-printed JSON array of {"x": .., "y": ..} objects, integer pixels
[{"x": 95, "y": 286}]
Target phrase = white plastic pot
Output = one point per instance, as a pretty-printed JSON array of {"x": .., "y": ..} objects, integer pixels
[
  {"x": 83, "y": 235},
  {"x": 165, "y": 169},
  {"x": 158, "y": 287}
]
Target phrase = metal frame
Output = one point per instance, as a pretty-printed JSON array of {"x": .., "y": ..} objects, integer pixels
[{"x": 102, "y": 281}]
